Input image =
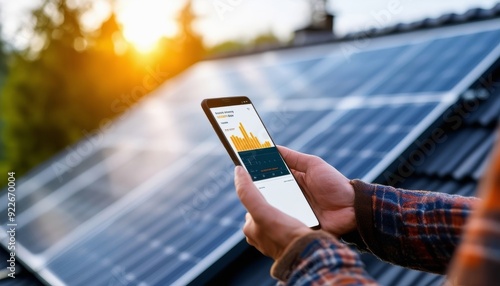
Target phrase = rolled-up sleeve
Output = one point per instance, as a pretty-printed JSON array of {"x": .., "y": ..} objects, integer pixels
[
  {"x": 320, "y": 259},
  {"x": 414, "y": 229}
]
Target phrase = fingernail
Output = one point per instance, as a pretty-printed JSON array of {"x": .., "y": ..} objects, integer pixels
[{"x": 238, "y": 170}]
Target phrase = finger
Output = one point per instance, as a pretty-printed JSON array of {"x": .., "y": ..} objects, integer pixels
[
  {"x": 249, "y": 230},
  {"x": 250, "y": 241},
  {"x": 296, "y": 160},
  {"x": 248, "y": 218},
  {"x": 300, "y": 177},
  {"x": 246, "y": 226},
  {"x": 249, "y": 195}
]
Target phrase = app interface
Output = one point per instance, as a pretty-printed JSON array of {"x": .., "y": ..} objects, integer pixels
[{"x": 249, "y": 139}]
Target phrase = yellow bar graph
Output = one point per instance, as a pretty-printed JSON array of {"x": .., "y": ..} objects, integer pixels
[{"x": 248, "y": 142}]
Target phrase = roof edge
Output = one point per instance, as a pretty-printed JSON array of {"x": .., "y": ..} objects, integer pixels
[{"x": 445, "y": 20}]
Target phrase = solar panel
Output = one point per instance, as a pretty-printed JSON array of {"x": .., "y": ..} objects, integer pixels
[
  {"x": 153, "y": 203},
  {"x": 185, "y": 235},
  {"x": 434, "y": 74},
  {"x": 363, "y": 137},
  {"x": 347, "y": 74},
  {"x": 191, "y": 230},
  {"x": 64, "y": 205}
]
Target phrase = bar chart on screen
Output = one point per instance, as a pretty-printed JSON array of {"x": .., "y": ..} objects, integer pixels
[{"x": 248, "y": 141}]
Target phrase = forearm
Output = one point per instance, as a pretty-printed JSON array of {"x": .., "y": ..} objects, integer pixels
[
  {"x": 320, "y": 259},
  {"x": 414, "y": 229}
]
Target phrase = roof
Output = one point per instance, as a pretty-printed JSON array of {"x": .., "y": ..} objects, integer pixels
[
  {"x": 472, "y": 15},
  {"x": 322, "y": 36},
  {"x": 453, "y": 166},
  {"x": 22, "y": 276},
  {"x": 157, "y": 184}
]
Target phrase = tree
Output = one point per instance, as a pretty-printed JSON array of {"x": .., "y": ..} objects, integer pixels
[
  {"x": 261, "y": 41},
  {"x": 186, "y": 48},
  {"x": 227, "y": 47},
  {"x": 55, "y": 95},
  {"x": 3, "y": 61},
  {"x": 266, "y": 39},
  {"x": 40, "y": 93},
  {"x": 3, "y": 74},
  {"x": 191, "y": 42}
]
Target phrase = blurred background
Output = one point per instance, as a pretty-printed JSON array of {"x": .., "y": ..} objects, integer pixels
[{"x": 67, "y": 67}]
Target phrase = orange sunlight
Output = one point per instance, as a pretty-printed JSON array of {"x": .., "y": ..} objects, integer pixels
[{"x": 145, "y": 22}]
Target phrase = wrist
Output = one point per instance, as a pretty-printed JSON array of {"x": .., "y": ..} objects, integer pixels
[
  {"x": 352, "y": 225},
  {"x": 342, "y": 220},
  {"x": 289, "y": 240}
]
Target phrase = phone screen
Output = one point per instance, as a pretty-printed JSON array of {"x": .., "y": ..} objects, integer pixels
[{"x": 250, "y": 141}]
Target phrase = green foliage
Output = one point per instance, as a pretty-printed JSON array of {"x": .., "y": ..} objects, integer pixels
[
  {"x": 3, "y": 74},
  {"x": 231, "y": 47},
  {"x": 55, "y": 96},
  {"x": 227, "y": 47},
  {"x": 3, "y": 62},
  {"x": 191, "y": 43},
  {"x": 265, "y": 39}
]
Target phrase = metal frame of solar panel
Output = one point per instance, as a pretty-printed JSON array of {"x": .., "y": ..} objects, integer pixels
[{"x": 149, "y": 200}]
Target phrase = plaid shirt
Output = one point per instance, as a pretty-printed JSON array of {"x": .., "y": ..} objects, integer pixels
[
  {"x": 477, "y": 261},
  {"x": 323, "y": 261},
  {"x": 415, "y": 229}
]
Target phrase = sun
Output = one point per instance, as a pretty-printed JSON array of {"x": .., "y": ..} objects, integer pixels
[{"x": 145, "y": 22}]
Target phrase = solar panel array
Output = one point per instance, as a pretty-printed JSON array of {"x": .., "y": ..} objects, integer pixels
[{"x": 150, "y": 200}]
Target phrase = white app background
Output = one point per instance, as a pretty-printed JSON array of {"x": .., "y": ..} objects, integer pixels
[{"x": 282, "y": 192}]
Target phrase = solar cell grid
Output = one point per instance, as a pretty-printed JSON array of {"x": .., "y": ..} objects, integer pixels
[
  {"x": 371, "y": 134},
  {"x": 87, "y": 197},
  {"x": 441, "y": 65},
  {"x": 353, "y": 71},
  {"x": 282, "y": 127},
  {"x": 184, "y": 233},
  {"x": 57, "y": 174},
  {"x": 292, "y": 79}
]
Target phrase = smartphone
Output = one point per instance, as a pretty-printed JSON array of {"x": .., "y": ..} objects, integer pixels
[{"x": 248, "y": 143}]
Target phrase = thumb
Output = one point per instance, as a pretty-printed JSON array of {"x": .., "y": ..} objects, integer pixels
[{"x": 249, "y": 195}]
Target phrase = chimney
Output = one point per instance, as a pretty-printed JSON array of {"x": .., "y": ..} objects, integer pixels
[
  {"x": 320, "y": 18},
  {"x": 320, "y": 28}
]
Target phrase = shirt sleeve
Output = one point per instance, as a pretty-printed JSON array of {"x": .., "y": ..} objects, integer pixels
[
  {"x": 414, "y": 229},
  {"x": 320, "y": 259},
  {"x": 477, "y": 261}
]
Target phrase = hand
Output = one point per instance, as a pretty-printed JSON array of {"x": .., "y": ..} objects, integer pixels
[
  {"x": 266, "y": 228},
  {"x": 330, "y": 193}
]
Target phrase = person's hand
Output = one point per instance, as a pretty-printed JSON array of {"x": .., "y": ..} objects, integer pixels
[
  {"x": 328, "y": 191},
  {"x": 266, "y": 228}
]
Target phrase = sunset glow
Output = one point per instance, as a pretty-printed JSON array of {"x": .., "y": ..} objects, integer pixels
[{"x": 145, "y": 22}]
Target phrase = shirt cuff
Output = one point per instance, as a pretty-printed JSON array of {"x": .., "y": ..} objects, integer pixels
[
  {"x": 364, "y": 216},
  {"x": 283, "y": 266}
]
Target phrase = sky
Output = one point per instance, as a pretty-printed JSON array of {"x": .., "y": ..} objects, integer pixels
[{"x": 221, "y": 20}]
